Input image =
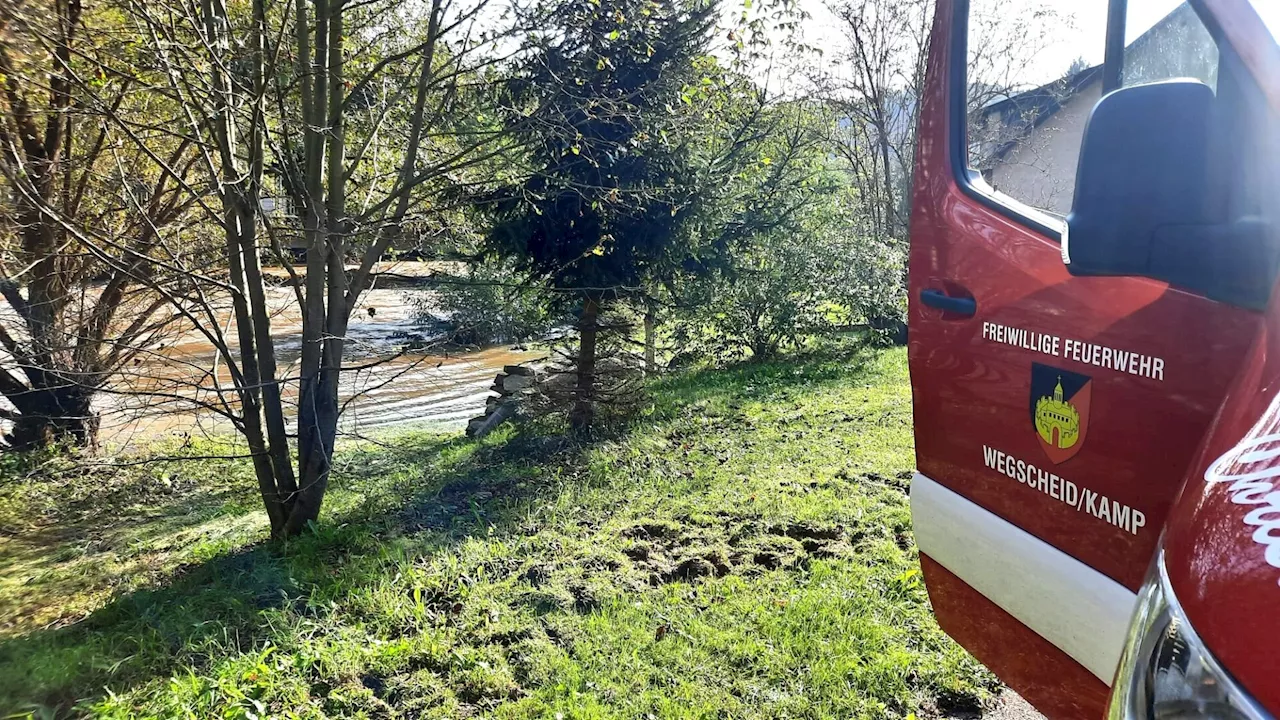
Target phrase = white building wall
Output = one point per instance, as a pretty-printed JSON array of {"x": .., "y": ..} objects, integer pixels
[{"x": 1041, "y": 170}]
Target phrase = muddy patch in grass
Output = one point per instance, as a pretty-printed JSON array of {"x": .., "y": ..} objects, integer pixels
[{"x": 668, "y": 551}]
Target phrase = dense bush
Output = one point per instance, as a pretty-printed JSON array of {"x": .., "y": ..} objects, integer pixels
[
  {"x": 815, "y": 277},
  {"x": 873, "y": 287},
  {"x": 489, "y": 303}
]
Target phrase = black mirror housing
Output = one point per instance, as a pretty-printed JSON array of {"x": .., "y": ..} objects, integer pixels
[{"x": 1142, "y": 174}]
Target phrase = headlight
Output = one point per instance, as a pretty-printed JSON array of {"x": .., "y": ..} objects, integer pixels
[{"x": 1165, "y": 671}]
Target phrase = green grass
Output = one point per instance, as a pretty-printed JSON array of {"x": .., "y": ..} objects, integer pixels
[{"x": 741, "y": 551}]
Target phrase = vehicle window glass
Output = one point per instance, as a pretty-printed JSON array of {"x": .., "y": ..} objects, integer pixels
[
  {"x": 1165, "y": 39},
  {"x": 1034, "y": 72}
]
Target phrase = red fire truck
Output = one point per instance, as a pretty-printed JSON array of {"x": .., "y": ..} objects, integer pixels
[{"x": 1096, "y": 369}]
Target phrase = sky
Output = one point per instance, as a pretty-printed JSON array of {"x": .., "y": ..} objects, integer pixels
[
  {"x": 1083, "y": 37},
  {"x": 1269, "y": 11},
  {"x": 1086, "y": 37}
]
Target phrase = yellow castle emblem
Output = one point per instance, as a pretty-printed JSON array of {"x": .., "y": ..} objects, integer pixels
[{"x": 1057, "y": 421}]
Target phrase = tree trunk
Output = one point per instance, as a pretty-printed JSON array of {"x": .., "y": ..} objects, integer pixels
[
  {"x": 890, "y": 205},
  {"x": 239, "y": 230},
  {"x": 49, "y": 417},
  {"x": 313, "y": 455},
  {"x": 762, "y": 351},
  {"x": 317, "y": 430},
  {"x": 583, "y": 412},
  {"x": 648, "y": 341},
  {"x": 318, "y": 419}
]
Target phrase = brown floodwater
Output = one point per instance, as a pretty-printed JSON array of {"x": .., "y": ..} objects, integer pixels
[{"x": 157, "y": 396}]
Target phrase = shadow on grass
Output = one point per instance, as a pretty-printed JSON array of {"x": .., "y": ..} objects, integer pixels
[
  {"x": 239, "y": 600},
  {"x": 444, "y": 490},
  {"x": 92, "y": 499}
]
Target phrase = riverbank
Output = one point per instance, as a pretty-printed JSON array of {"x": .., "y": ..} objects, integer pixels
[
  {"x": 399, "y": 374},
  {"x": 742, "y": 550}
]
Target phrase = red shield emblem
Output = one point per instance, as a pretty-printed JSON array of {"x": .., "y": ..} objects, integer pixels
[{"x": 1060, "y": 402}]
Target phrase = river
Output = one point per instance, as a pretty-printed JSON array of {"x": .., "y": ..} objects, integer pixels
[{"x": 153, "y": 397}]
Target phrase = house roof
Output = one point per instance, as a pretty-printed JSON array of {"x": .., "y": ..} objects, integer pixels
[
  {"x": 1037, "y": 105},
  {"x": 1044, "y": 100}
]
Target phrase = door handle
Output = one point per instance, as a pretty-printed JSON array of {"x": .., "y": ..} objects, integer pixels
[{"x": 965, "y": 306}]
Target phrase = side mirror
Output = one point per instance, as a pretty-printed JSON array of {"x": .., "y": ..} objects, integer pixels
[
  {"x": 1156, "y": 164},
  {"x": 1143, "y": 171}
]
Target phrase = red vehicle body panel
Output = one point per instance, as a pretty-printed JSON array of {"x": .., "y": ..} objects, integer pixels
[
  {"x": 1220, "y": 531},
  {"x": 1217, "y": 569},
  {"x": 970, "y": 391},
  {"x": 1145, "y": 433},
  {"x": 1042, "y": 674}
]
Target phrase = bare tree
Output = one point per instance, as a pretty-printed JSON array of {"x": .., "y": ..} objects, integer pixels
[
  {"x": 878, "y": 88},
  {"x": 359, "y": 112},
  {"x": 879, "y": 78},
  {"x": 84, "y": 216}
]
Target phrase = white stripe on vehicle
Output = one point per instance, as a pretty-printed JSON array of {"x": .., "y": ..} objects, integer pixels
[{"x": 1081, "y": 611}]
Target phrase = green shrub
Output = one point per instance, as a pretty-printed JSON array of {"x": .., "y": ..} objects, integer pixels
[
  {"x": 490, "y": 303},
  {"x": 787, "y": 289}
]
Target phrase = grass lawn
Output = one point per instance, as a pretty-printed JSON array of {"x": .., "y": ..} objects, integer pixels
[{"x": 741, "y": 551}]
